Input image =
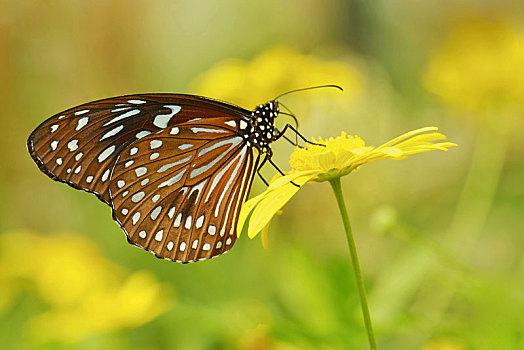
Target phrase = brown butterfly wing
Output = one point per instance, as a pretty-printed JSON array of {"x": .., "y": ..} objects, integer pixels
[{"x": 178, "y": 192}]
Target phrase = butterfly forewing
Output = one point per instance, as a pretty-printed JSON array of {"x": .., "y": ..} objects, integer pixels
[
  {"x": 80, "y": 146},
  {"x": 179, "y": 197}
]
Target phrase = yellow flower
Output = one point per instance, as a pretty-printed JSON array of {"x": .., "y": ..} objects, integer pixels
[
  {"x": 273, "y": 72},
  {"x": 86, "y": 294},
  {"x": 339, "y": 157},
  {"x": 479, "y": 66}
]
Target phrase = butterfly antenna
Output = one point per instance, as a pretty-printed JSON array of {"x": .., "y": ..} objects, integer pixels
[
  {"x": 309, "y": 88},
  {"x": 289, "y": 113}
]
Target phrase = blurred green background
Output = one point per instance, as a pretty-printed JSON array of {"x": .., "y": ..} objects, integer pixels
[{"x": 440, "y": 235}]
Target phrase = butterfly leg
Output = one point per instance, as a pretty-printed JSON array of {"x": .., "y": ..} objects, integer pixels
[
  {"x": 295, "y": 143},
  {"x": 278, "y": 169},
  {"x": 289, "y": 126},
  {"x": 267, "y": 158},
  {"x": 260, "y": 167}
]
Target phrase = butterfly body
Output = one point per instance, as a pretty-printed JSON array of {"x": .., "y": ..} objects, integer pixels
[{"x": 174, "y": 168}]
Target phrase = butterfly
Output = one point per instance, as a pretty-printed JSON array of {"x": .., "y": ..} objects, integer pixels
[{"x": 175, "y": 169}]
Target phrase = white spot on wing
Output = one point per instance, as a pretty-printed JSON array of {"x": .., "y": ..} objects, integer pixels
[
  {"x": 78, "y": 156},
  {"x": 89, "y": 179},
  {"x": 136, "y": 102},
  {"x": 155, "y": 144},
  {"x": 155, "y": 198},
  {"x": 182, "y": 246},
  {"x": 133, "y": 151},
  {"x": 195, "y": 130},
  {"x": 170, "y": 165},
  {"x": 82, "y": 112},
  {"x": 140, "y": 171},
  {"x": 123, "y": 116},
  {"x": 171, "y": 212},
  {"x": 170, "y": 246},
  {"x": 54, "y": 145},
  {"x": 136, "y": 217},
  {"x": 185, "y": 146},
  {"x": 199, "y": 222},
  {"x": 106, "y": 153},
  {"x": 206, "y": 246},
  {"x": 54, "y": 128},
  {"x": 172, "y": 180},
  {"x": 112, "y": 132},
  {"x": 178, "y": 220},
  {"x": 141, "y": 134},
  {"x": 156, "y": 212},
  {"x": 121, "y": 183},
  {"x": 211, "y": 229},
  {"x": 243, "y": 124},
  {"x": 197, "y": 188},
  {"x": 59, "y": 161},
  {"x": 159, "y": 235},
  {"x": 188, "y": 222},
  {"x": 137, "y": 197},
  {"x": 142, "y": 234},
  {"x": 219, "y": 245},
  {"x": 106, "y": 175},
  {"x": 81, "y": 123},
  {"x": 120, "y": 109},
  {"x": 195, "y": 244},
  {"x": 174, "y": 131},
  {"x": 231, "y": 123},
  {"x": 162, "y": 120}
]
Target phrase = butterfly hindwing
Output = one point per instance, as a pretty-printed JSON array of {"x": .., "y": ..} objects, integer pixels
[{"x": 178, "y": 192}]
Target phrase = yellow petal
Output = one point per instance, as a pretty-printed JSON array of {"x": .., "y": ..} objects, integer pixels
[
  {"x": 265, "y": 236},
  {"x": 246, "y": 209},
  {"x": 295, "y": 177},
  {"x": 392, "y": 151},
  {"x": 274, "y": 199},
  {"x": 407, "y": 135}
]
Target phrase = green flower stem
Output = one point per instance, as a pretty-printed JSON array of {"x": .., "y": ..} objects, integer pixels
[{"x": 337, "y": 189}]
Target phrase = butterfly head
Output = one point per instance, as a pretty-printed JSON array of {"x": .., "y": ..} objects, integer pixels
[{"x": 263, "y": 125}]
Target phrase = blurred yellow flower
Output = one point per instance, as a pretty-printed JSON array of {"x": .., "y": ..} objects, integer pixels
[
  {"x": 479, "y": 66},
  {"x": 86, "y": 294},
  {"x": 273, "y": 72},
  {"x": 443, "y": 344},
  {"x": 339, "y": 157}
]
